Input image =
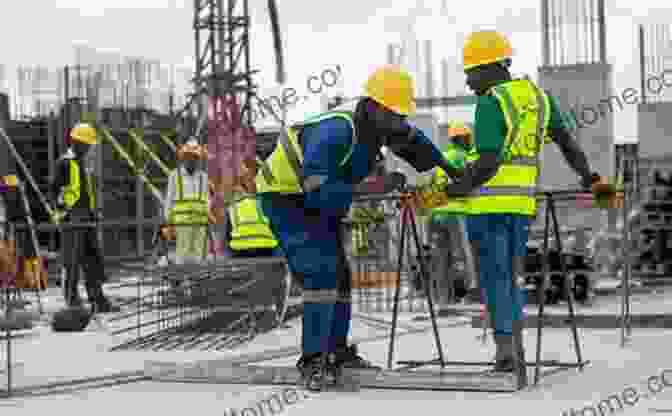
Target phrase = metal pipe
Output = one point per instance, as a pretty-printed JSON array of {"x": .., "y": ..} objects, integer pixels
[
  {"x": 602, "y": 21},
  {"x": 545, "y": 35},
  {"x": 561, "y": 35},
  {"x": 555, "y": 59},
  {"x": 642, "y": 64},
  {"x": 429, "y": 68}
]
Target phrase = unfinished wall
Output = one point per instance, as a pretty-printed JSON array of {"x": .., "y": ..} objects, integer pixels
[
  {"x": 654, "y": 129},
  {"x": 585, "y": 95}
]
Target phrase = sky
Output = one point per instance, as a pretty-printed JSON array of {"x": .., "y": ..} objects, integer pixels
[{"x": 317, "y": 35}]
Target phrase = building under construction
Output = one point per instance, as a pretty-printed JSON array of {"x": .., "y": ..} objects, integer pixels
[{"x": 143, "y": 102}]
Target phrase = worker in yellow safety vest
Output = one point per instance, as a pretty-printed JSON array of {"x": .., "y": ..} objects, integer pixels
[
  {"x": 76, "y": 202},
  {"x": 514, "y": 119},
  {"x": 186, "y": 204},
  {"x": 447, "y": 222}
]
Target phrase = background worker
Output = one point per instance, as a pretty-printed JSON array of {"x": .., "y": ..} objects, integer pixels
[
  {"x": 251, "y": 236},
  {"x": 186, "y": 204},
  {"x": 76, "y": 203},
  {"x": 307, "y": 186},
  {"x": 514, "y": 118},
  {"x": 447, "y": 222}
]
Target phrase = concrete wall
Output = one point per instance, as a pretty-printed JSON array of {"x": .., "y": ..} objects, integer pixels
[
  {"x": 584, "y": 93},
  {"x": 654, "y": 129}
]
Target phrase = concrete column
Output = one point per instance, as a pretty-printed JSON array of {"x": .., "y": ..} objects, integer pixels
[{"x": 585, "y": 95}]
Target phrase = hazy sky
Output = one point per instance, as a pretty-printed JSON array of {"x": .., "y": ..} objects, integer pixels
[{"x": 317, "y": 34}]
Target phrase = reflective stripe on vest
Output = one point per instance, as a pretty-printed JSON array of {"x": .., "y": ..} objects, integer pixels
[
  {"x": 328, "y": 296},
  {"x": 526, "y": 109},
  {"x": 249, "y": 227},
  {"x": 282, "y": 171}
]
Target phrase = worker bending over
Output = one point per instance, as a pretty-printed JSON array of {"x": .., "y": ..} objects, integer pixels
[
  {"x": 307, "y": 186},
  {"x": 447, "y": 222},
  {"x": 76, "y": 203},
  {"x": 514, "y": 118},
  {"x": 186, "y": 203}
]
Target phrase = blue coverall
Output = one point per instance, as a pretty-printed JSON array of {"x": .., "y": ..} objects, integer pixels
[{"x": 308, "y": 227}]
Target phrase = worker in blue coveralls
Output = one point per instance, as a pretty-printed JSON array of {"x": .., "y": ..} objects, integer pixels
[{"x": 305, "y": 189}]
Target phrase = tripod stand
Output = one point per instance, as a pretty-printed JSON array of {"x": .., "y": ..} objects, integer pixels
[{"x": 407, "y": 219}]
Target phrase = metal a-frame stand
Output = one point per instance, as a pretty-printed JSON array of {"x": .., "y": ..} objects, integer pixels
[
  {"x": 408, "y": 220},
  {"x": 551, "y": 220},
  {"x": 551, "y": 216}
]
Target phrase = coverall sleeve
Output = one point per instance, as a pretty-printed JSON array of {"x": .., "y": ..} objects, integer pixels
[
  {"x": 325, "y": 146},
  {"x": 421, "y": 153},
  {"x": 171, "y": 192}
]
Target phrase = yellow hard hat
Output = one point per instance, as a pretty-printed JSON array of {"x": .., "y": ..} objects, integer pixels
[
  {"x": 460, "y": 129},
  {"x": 485, "y": 47},
  {"x": 84, "y": 133},
  {"x": 10, "y": 180},
  {"x": 393, "y": 88}
]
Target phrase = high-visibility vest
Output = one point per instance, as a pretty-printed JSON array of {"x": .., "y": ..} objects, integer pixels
[
  {"x": 193, "y": 210},
  {"x": 249, "y": 227},
  {"x": 512, "y": 190},
  {"x": 72, "y": 192},
  {"x": 282, "y": 171}
]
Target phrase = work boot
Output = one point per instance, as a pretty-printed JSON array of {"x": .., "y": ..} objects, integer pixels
[
  {"x": 348, "y": 357},
  {"x": 313, "y": 369},
  {"x": 504, "y": 354},
  {"x": 71, "y": 288},
  {"x": 99, "y": 302},
  {"x": 510, "y": 352},
  {"x": 518, "y": 334}
]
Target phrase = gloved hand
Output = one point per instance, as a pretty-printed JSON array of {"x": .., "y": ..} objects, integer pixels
[
  {"x": 587, "y": 182},
  {"x": 393, "y": 182},
  {"x": 600, "y": 187},
  {"x": 168, "y": 232},
  {"x": 57, "y": 216}
]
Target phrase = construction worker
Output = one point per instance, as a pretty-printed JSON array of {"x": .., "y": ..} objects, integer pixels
[
  {"x": 251, "y": 236},
  {"x": 76, "y": 203},
  {"x": 186, "y": 203},
  {"x": 306, "y": 188},
  {"x": 447, "y": 222},
  {"x": 514, "y": 118}
]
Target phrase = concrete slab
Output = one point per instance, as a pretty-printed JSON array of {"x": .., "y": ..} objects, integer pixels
[
  {"x": 648, "y": 310},
  {"x": 613, "y": 369}
]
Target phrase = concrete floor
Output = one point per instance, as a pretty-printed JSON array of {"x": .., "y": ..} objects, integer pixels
[{"x": 41, "y": 356}]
